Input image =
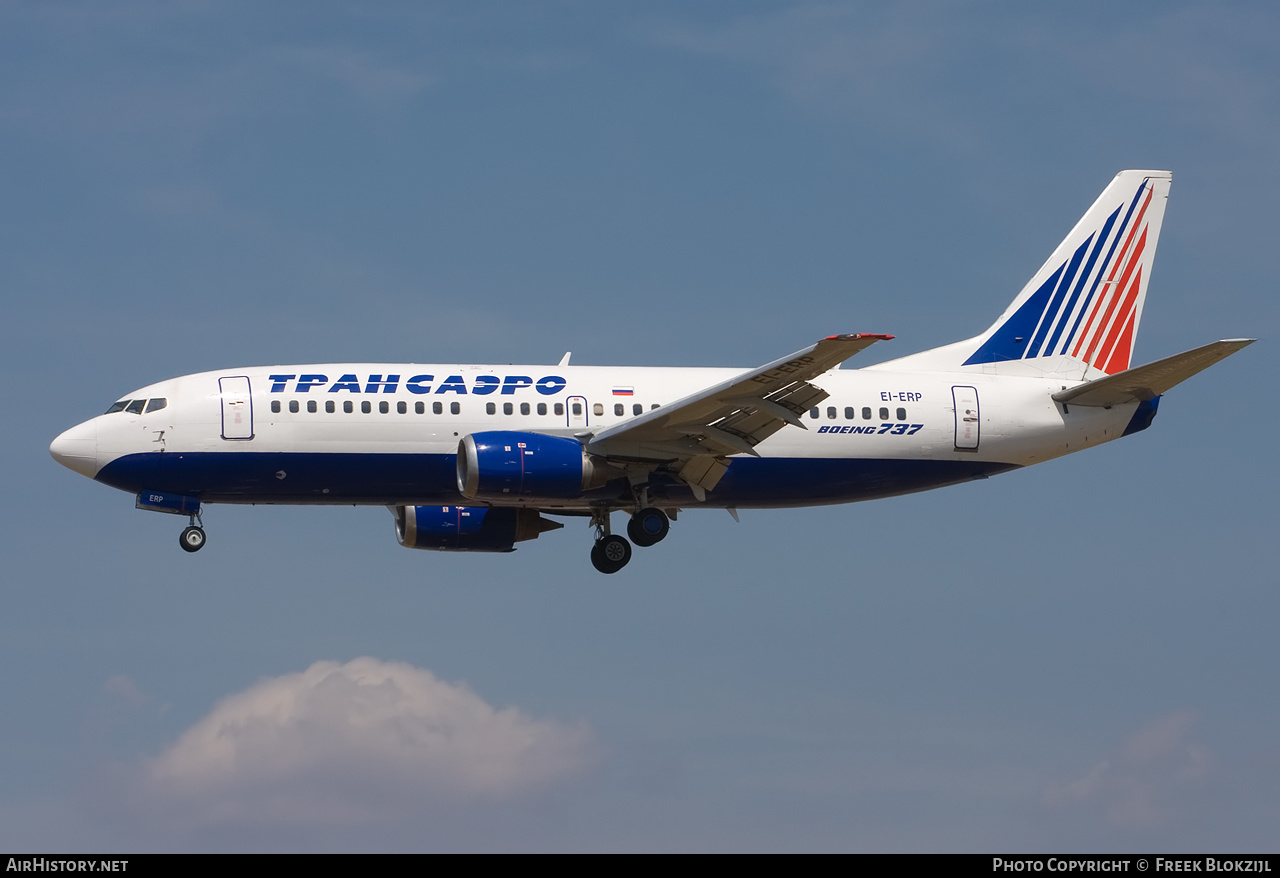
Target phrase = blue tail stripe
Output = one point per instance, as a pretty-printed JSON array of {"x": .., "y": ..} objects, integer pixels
[
  {"x": 1084, "y": 277},
  {"x": 1051, "y": 310},
  {"x": 1009, "y": 342}
]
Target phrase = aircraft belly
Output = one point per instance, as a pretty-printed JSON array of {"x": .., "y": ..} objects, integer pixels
[
  {"x": 283, "y": 477},
  {"x": 778, "y": 482},
  {"x": 329, "y": 478}
]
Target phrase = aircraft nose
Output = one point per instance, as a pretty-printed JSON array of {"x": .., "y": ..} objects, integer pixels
[{"x": 77, "y": 449}]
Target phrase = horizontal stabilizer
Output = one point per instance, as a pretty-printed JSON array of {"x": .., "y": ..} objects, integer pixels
[{"x": 1153, "y": 379}]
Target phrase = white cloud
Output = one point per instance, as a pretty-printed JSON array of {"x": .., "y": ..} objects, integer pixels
[
  {"x": 1144, "y": 781},
  {"x": 349, "y": 743},
  {"x": 126, "y": 689}
]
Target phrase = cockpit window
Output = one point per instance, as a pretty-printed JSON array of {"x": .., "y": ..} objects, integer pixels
[
  {"x": 117, "y": 407},
  {"x": 154, "y": 405},
  {"x": 135, "y": 406}
]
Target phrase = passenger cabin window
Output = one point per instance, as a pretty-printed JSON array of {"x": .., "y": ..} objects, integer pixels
[
  {"x": 329, "y": 406},
  {"x": 275, "y": 406},
  {"x": 135, "y": 406},
  {"x": 559, "y": 408},
  {"x": 848, "y": 413},
  {"x": 813, "y": 412},
  {"x": 637, "y": 409},
  {"x": 577, "y": 409},
  {"x": 902, "y": 414},
  {"x": 866, "y": 413},
  {"x": 437, "y": 408},
  {"x": 598, "y": 409},
  {"x": 348, "y": 406},
  {"x": 542, "y": 408},
  {"x": 402, "y": 408},
  {"x": 490, "y": 408},
  {"x": 455, "y": 408},
  {"x": 618, "y": 409},
  {"x": 366, "y": 407},
  {"x": 420, "y": 408},
  {"x": 524, "y": 408},
  {"x": 311, "y": 406},
  {"x": 154, "y": 405},
  {"x": 508, "y": 408},
  {"x": 831, "y": 412},
  {"x": 884, "y": 414},
  {"x": 384, "y": 407},
  {"x": 293, "y": 406}
]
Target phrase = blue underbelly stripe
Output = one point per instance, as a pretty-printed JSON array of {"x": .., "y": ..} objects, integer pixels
[{"x": 310, "y": 478}]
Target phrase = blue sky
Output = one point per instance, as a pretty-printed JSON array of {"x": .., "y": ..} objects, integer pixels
[{"x": 1079, "y": 656}]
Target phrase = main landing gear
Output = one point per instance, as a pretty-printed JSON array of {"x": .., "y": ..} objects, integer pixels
[
  {"x": 648, "y": 526},
  {"x": 192, "y": 538},
  {"x": 611, "y": 552}
]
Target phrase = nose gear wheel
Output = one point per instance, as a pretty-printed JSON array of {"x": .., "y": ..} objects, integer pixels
[{"x": 192, "y": 538}]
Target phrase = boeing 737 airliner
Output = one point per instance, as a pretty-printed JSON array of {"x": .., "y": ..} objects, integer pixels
[{"x": 472, "y": 458}]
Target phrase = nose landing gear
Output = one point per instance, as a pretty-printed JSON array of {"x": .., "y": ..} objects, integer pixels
[{"x": 192, "y": 538}]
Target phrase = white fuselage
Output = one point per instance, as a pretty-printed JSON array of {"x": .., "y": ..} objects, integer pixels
[{"x": 301, "y": 438}]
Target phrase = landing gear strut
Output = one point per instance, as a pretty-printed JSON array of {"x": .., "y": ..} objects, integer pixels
[
  {"x": 192, "y": 538},
  {"x": 610, "y": 552}
]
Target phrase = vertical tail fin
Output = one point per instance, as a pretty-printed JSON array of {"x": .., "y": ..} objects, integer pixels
[{"x": 1079, "y": 313}]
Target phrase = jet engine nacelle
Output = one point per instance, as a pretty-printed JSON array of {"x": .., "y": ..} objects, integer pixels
[
  {"x": 507, "y": 466},
  {"x": 468, "y": 528}
]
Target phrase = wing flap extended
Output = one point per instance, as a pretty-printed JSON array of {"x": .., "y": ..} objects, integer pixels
[
  {"x": 731, "y": 417},
  {"x": 1153, "y": 379}
]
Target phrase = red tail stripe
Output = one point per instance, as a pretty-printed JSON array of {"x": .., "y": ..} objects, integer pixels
[
  {"x": 1094, "y": 348},
  {"x": 1090, "y": 326},
  {"x": 1123, "y": 317},
  {"x": 1120, "y": 358}
]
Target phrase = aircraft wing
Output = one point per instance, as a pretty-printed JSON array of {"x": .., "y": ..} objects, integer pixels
[
  {"x": 731, "y": 417},
  {"x": 1151, "y": 380}
]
